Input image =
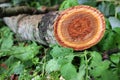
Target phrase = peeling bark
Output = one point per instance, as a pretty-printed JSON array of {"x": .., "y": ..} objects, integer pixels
[{"x": 34, "y": 27}]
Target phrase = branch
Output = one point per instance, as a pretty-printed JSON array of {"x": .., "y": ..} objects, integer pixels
[
  {"x": 7, "y": 12},
  {"x": 4, "y": 1}
]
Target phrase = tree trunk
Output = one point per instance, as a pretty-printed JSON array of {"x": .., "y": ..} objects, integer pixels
[
  {"x": 34, "y": 27},
  {"x": 78, "y": 27}
]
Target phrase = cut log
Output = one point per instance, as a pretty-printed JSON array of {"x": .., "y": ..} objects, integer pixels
[{"x": 79, "y": 27}]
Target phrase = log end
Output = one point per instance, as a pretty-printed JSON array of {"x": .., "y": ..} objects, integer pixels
[{"x": 79, "y": 27}]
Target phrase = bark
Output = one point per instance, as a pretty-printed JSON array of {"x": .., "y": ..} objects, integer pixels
[
  {"x": 12, "y": 11},
  {"x": 34, "y": 27},
  {"x": 5, "y": 12}
]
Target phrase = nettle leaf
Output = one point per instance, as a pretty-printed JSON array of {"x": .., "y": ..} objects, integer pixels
[
  {"x": 107, "y": 8},
  {"x": 68, "y": 71},
  {"x": 25, "y": 75},
  {"x": 7, "y": 65},
  {"x": 97, "y": 65},
  {"x": 4, "y": 31},
  {"x": 81, "y": 73},
  {"x": 97, "y": 70},
  {"x": 109, "y": 75},
  {"x": 52, "y": 65},
  {"x": 115, "y": 58},
  {"x": 96, "y": 58},
  {"x": 65, "y": 60},
  {"x": 6, "y": 38},
  {"x": 7, "y": 42},
  {"x": 10, "y": 60},
  {"x": 17, "y": 68},
  {"x": 108, "y": 41},
  {"x": 25, "y": 52},
  {"x": 114, "y": 22},
  {"x": 58, "y": 51},
  {"x": 13, "y": 66}
]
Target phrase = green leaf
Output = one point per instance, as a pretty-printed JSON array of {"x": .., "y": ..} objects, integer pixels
[
  {"x": 107, "y": 8},
  {"x": 97, "y": 70},
  {"x": 68, "y": 71},
  {"x": 13, "y": 66},
  {"x": 52, "y": 65},
  {"x": 17, "y": 68},
  {"x": 117, "y": 36},
  {"x": 96, "y": 58},
  {"x": 25, "y": 53},
  {"x": 97, "y": 65},
  {"x": 6, "y": 38},
  {"x": 115, "y": 58},
  {"x": 66, "y": 59},
  {"x": 58, "y": 51},
  {"x": 81, "y": 73},
  {"x": 114, "y": 22},
  {"x": 109, "y": 75},
  {"x": 10, "y": 60},
  {"x": 68, "y": 3},
  {"x": 25, "y": 75},
  {"x": 7, "y": 42},
  {"x": 107, "y": 24},
  {"x": 117, "y": 30},
  {"x": 36, "y": 78},
  {"x": 108, "y": 41}
]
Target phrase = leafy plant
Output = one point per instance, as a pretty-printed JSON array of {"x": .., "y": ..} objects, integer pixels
[
  {"x": 29, "y": 61},
  {"x": 90, "y": 64},
  {"x": 68, "y": 3}
]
